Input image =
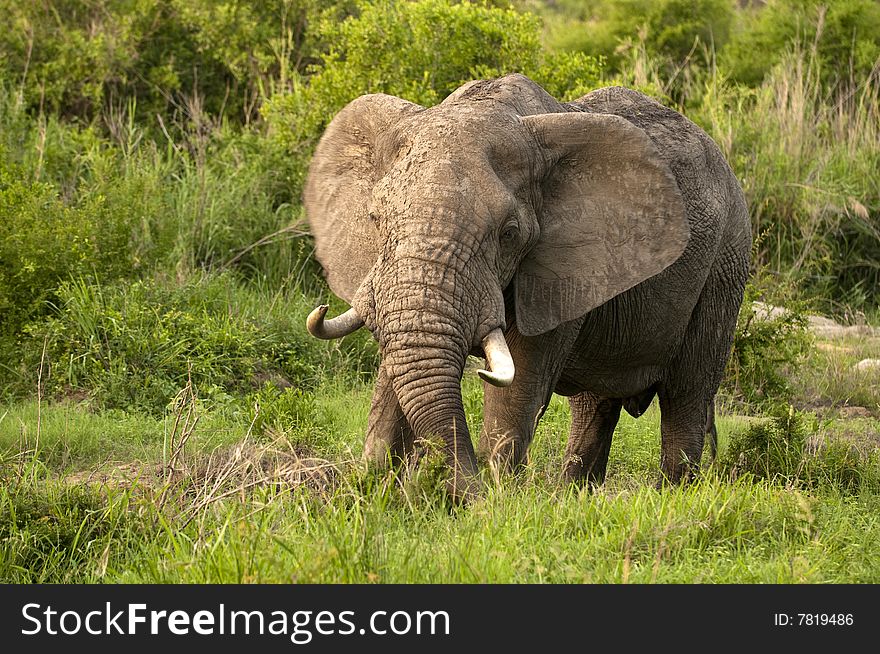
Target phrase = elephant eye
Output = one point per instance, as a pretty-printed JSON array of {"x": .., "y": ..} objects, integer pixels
[{"x": 509, "y": 235}]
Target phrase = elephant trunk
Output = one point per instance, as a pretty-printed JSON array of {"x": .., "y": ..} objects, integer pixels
[
  {"x": 431, "y": 305},
  {"x": 427, "y": 382},
  {"x": 426, "y": 326}
]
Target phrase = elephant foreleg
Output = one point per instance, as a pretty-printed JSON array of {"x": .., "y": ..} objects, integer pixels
[
  {"x": 390, "y": 438},
  {"x": 593, "y": 420},
  {"x": 511, "y": 414}
]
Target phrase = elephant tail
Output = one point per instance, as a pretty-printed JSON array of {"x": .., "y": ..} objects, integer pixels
[{"x": 711, "y": 431}]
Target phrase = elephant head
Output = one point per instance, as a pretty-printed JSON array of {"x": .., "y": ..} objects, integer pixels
[{"x": 426, "y": 219}]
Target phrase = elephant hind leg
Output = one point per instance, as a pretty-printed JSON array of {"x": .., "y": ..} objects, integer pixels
[
  {"x": 593, "y": 420},
  {"x": 683, "y": 427},
  {"x": 687, "y": 393}
]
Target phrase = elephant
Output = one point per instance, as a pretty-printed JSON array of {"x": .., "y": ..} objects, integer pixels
[{"x": 597, "y": 249}]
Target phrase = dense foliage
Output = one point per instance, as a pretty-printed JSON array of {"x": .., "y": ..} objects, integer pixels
[
  {"x": 148, "y": 146},
  {"x": 423, "y": 51}
]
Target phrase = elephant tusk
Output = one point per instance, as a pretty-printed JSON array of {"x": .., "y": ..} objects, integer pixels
[
  {"x": 498, "y": 360},
  {"x": 338, "y": 327}
]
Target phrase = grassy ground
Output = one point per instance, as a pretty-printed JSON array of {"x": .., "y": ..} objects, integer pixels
[
  {"x": 151, "y": 242},
  {"x": 203, "y": 495}
]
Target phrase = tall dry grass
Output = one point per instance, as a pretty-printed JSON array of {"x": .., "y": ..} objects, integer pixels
[{"x": 808, "y": 160}]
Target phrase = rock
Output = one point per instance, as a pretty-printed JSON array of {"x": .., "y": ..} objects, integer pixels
[
  {"x": 819, "y": 325},
  {"x": 821, "y": 321},
  {"x": 868, "y": 364},
  {"x": 839, "y": 331},
  {"x": 764, "y": 311},
  {"x": 854, "y": 412}
]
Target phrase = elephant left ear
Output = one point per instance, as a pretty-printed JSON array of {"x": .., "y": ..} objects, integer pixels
[{"x": 612, "y": 216}]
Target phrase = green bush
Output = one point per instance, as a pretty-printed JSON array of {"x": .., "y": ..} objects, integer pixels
[
  {"x": 672, "y": 31},
  {"x": 135, "y": 345},
  {"x": 844, "y": 34},
  {"x": 808, "y": 168},
  {"x": 767, "y": 350},
  {"x": 784, "y": 449},
  {"x": 177, "y": 57},
  {"x": 772, "y": 449},
  {"x": 44, "y": 241},
  {"x": 179, "y": 207},
  {"x": 420, "y": 51}
]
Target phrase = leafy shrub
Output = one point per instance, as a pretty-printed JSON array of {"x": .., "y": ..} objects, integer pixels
[
  {"x": 180, "y": 206},
  {"x": 672, "y": 31},
  {"x": 767, "y": 350},
  {"x": 783, "y": 449},
  {"x": 844, "y": 34},
  {"x": 808, "y": 169},
  {"x": 43, "y": 241},
  {"x": 229, "y": 203},
  {"x": 134, "y": 345},
  {"x": 773, "y": 449},
  {"x": 421, "y": 51},
  {"x": 259, "y": 45},
  {"x": 81, "y": 59}
]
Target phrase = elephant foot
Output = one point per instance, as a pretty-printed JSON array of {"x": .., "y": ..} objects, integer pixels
[
  {"x": 380, "y": 454},
  {"x": 464, "y": 489},
  {"x": 675, "y": 471},
  {"x": 502, "y": 453},
  {"x": 580, "y": 473},
  {"x": 681, "y": 474},
  {"x": 464, "y": 484}
]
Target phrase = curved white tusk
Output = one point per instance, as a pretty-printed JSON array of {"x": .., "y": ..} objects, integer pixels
[
  {"x": 498, "y": 360},
  {"x": 337, "y": 327}
]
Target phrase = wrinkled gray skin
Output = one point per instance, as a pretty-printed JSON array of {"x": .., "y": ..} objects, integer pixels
[{"x": 607, "y": 236}]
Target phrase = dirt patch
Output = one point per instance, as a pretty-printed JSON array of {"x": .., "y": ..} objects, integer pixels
[
  {"x": 249, "y": 465},
  {"x": 263, "y": 377},
  {"x": 854, "y": 412},
  {"x": 188, "y": 484},
  {"x": 118, "y": 475},
  {"x": 240, "y": 470}
]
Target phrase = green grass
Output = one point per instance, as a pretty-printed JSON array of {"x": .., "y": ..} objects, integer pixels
[
  {"x": 168, "y": 419},
  {"x": 103, "y": 498},
  {"x": 831, "y": 380}
]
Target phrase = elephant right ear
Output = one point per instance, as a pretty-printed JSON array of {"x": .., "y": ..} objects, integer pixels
[{"x": 344, "y": 169}]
